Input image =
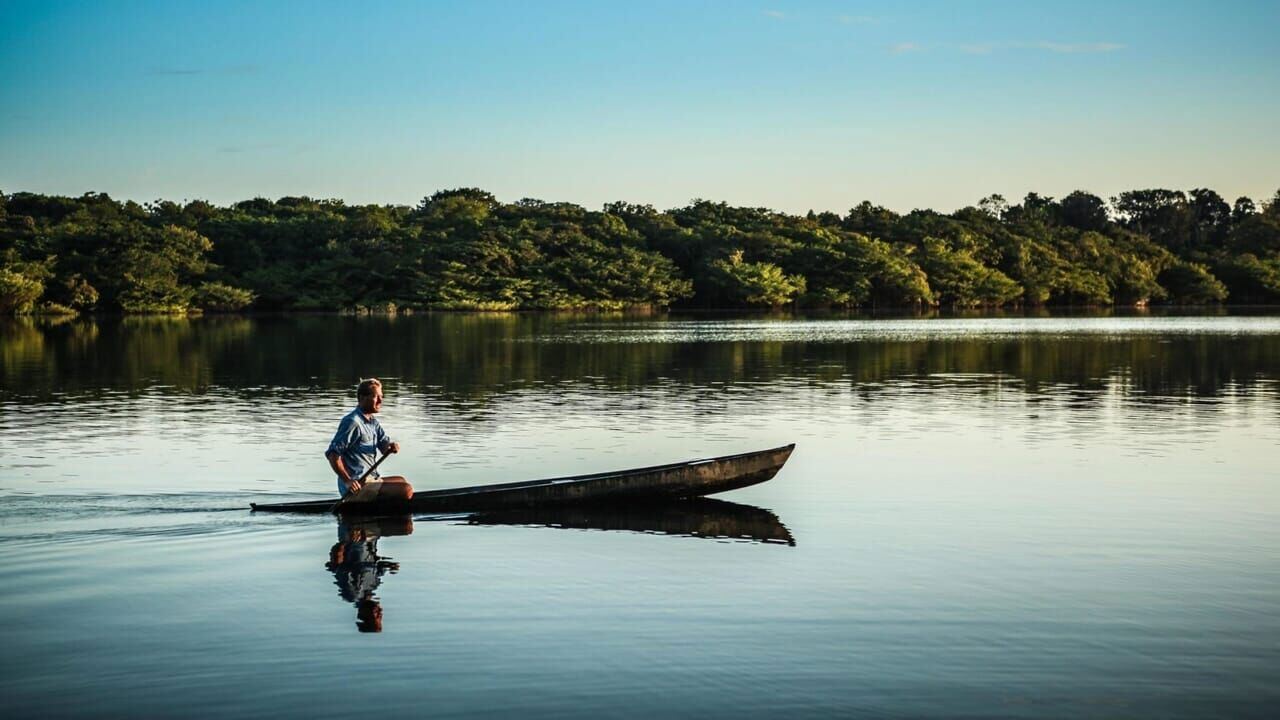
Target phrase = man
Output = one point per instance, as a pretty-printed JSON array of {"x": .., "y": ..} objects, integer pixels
[{"x": 355, "y": 447}]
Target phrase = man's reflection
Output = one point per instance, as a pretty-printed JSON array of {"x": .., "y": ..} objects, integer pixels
[{"x": 358, "y": 569}]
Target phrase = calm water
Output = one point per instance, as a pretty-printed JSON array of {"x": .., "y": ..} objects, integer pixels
[{"x": 984, "y": 517}]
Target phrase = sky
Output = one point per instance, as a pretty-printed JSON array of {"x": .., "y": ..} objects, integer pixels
[{"x": 785, "y": 105}]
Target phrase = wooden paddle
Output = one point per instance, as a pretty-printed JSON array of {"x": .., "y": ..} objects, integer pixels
[{"x": 366, "y": 474}]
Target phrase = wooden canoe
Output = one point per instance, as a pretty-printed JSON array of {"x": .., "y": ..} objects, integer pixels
[{"x": 694, "y": 478}]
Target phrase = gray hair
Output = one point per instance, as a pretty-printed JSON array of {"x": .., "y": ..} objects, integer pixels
[{"x": 366, "y": 387}]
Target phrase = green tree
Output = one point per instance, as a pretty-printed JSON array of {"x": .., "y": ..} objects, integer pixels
[
  {"x": 1164, "y": 215},
  {"x": 870, "y": 220},
  {"x": 155, "y": 266},
  {"x": 755, "y": 283},
  {"x": 1084, "y": 211},
  {"x": 1259, "y": 234},
  {"x": 21, "y": 283},
  {"x": 1192, "y": 284},
  {"x": 1210, "y": 221},
  {"x": 1251, "y": 279},
  {"x": 960, "y": 280},
  {"x": 217, "y": 297},
  {"x": 1242, "y": 210}
]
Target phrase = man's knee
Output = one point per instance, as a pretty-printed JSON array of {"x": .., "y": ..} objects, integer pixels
[{"x": 396, "y": 487}]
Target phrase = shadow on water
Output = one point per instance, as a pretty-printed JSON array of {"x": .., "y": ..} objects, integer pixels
[
  {"x": 699, "y": 518},
  {"x": 358, "y": 569}
]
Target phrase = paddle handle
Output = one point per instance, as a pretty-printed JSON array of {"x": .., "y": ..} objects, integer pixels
[
  {"x": 366, "y": 474},
  {"x": 373, "y": 467}
]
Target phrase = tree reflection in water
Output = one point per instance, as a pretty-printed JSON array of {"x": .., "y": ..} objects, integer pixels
[{"x": 464, "y": 361}]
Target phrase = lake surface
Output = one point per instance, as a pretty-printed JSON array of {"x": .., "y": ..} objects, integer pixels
[{"x": 984, "y": 517}]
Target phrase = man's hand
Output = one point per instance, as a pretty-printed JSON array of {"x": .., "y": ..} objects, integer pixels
[
  {"x": 393, "y": 448},
  {"x": 353, "y": 485}
]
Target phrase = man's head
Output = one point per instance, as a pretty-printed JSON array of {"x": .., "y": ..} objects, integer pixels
[
  {"x": 369, "y": 615},
  {"x": 369, "y": 395}
]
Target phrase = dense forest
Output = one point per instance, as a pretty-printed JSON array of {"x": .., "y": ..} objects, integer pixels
[{"x": 465, "y": 250}]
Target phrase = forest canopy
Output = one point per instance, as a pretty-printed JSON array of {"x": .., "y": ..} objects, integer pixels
[{"x": 464, "y": 250}]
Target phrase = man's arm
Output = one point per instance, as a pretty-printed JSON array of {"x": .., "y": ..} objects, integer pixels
[
  {"x": 342, "y": 440},
  {"x": 385, "y": 443},
  {"x": 339, "y": 467}
]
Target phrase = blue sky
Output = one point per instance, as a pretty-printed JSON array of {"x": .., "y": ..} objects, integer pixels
[{"x": 786, "y": 105}]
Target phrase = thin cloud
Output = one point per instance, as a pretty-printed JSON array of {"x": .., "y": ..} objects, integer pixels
[
  {"x": 225, "y": 70},
  {"x": 235, "y": 149},
  {"x": 857, "y": 19},
  {"x": 775, "y": 14},
  {"x": 278, "y": 148},
  {"x": 1093, "y": 47},
  {"x": 1053, "y": 47},
  {"x": 904, "y": 47}
]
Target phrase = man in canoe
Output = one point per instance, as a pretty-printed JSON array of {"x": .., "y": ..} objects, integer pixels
[{"x": 354, "y": 450}]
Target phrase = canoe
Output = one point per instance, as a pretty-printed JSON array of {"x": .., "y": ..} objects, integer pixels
[{"x": 693, "y": 478}]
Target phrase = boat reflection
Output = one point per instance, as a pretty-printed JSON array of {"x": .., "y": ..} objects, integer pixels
[
  {"x": 696, "y": 517},
  {"x": 358, "y": 568}
]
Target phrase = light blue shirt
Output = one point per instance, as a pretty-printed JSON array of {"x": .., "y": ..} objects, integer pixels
[{"x": 357, "y": 442}]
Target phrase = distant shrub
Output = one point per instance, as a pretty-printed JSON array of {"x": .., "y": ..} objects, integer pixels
[
  {"x": 219, "y": 297},
  {"x": 18, "y": 292},
  {"x": 1192, "y": 283},
  {"x": 79, "y": 293},
  {"x": 53, "y": 308},
  {"x": 755, "y": 283}
]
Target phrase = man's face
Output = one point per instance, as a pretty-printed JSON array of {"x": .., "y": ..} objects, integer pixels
[
  {"x": 369, "y": 616},
  {"x": 372, "y": 403}
]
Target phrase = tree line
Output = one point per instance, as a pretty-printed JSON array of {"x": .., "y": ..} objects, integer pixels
[{"x": 464, "y": 250}]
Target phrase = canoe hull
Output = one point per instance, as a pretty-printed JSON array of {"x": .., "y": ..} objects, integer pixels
[{"x": 662, "y": 482}]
